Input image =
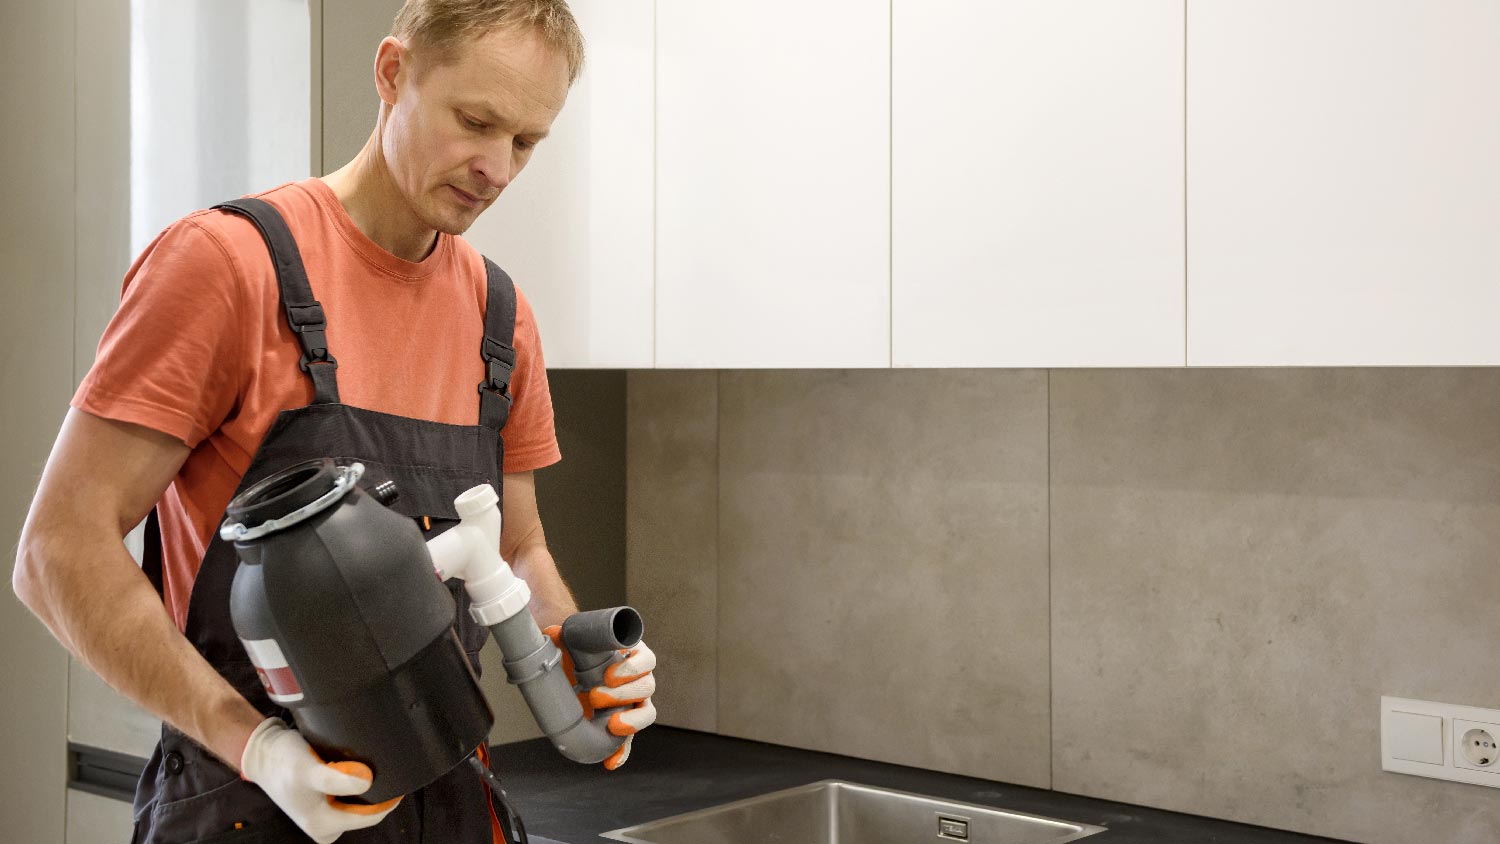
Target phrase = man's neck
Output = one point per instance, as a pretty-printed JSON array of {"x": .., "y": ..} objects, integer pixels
[{"x": 365, "y": 188}]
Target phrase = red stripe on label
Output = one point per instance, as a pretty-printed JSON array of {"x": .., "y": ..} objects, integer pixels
[{"x": 279, "y": 681}]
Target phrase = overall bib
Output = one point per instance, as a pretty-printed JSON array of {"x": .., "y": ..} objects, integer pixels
[{"x": 185, "y": 794}]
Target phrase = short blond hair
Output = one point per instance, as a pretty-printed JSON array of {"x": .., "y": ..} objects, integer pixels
[{"x": 441, "y": 25}]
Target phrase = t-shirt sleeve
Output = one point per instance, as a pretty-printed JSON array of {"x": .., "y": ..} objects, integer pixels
[
  {"x": 171, "y": 357},
  {"x": 530, "y": 437}
]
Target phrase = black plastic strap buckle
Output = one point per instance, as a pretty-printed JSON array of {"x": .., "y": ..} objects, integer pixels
[
  {"x": 311, "y": 327},
  {"x": 319, "y": 356},
  {"x": 501, "y": 362},
  {"x": 485, "y": 390},
  {"x": 499, "y": 374},
  {"x": 494, "y": 407},
  {"x": 315, "y": 348},
  {"x": 494, "y": 391},
  {"x": 306, "y": 315}
]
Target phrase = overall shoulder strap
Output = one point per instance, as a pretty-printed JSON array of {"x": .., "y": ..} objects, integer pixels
[
  {"x": 151, "y": 554},
  {"x": 303, "y": 312},
  {"x": 498, "y": 351}
]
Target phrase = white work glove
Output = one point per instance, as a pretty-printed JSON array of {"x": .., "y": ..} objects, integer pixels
[
  {"x": 628, "y": 683},
  {"x": 290, "y": 772}
]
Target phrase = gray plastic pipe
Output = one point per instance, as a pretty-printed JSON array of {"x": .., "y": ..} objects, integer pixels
[
  {"x": 544, "y": 684},
  {"x": 471, "y": 550}
]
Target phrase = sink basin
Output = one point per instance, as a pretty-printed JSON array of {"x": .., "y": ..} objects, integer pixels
[{"x": 836, "y": 812}]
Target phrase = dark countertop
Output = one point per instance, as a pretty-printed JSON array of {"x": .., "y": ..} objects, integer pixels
[{"x": 672, "y": 771}]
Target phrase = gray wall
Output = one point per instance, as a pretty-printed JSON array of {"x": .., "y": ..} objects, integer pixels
[
  {"x": 1176, "y": 588},
  {"x": 350, "y": 31},
  {"x": 37, "y": 240},
  {"x": 582, "y": 498}
]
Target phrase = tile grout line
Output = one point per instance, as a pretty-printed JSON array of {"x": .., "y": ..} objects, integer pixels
[
  {"x": 718, "y": 550},
  {"x": 1051, "y": 621}
]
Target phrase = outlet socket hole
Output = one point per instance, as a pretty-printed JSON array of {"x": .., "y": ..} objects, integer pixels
[{"x": 1479, "y": 748}]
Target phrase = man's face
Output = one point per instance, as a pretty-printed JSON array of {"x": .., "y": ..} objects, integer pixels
[{"x": 460, "y": 130}]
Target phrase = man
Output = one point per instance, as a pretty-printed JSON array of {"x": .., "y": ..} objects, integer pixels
[{"x": 218, "y": 370}]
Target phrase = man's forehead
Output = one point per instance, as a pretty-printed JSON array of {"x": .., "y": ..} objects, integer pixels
[{"x": 505, "y": 70}]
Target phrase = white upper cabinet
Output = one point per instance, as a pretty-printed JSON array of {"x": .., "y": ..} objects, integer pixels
[
  {"x": 575, "y": 227},
  {"x": 1343, "y": 182},
  {"x": 1038, "y": 183},
  {"x": 773, "y": 184}
]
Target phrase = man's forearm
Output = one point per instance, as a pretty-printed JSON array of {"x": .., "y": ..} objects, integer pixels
[
  {"x": 551, "y": 601},
  {"x": 95, "y": 600}
]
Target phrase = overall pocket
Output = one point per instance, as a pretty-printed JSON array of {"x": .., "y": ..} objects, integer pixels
[{"x": 200, "y": 800}]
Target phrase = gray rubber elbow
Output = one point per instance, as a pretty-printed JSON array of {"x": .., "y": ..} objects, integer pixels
[{"x": 534, "y": 664}]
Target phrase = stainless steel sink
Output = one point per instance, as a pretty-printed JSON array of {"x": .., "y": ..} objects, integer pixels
[{"x": 835, "y": 812}]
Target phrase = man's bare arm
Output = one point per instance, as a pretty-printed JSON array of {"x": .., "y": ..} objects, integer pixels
[
  {"x": 73, "y": 572},
  {"x": 524, "y": 545}
]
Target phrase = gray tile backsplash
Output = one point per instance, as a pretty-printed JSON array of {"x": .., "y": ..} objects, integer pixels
[
  {"x": 883, "y": 567},
  {"x": 1177, "y": 588},
  {"x": 671, "y": 506},
  {"x": 1243, "y": 561}
]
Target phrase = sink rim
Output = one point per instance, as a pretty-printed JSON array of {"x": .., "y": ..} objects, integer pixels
[{"x": 622, "y": 834}]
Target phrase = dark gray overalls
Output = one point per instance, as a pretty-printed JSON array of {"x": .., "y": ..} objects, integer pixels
[{"x": 187, "y": 795}]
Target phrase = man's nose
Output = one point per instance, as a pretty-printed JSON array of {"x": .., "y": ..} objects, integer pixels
[{"x": 494, "y": 168}]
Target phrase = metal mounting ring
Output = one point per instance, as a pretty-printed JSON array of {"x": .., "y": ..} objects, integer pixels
[{"x": 348, "y": 477}]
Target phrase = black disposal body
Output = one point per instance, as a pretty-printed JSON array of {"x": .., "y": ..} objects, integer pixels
[{"x": 350, "y": 629}]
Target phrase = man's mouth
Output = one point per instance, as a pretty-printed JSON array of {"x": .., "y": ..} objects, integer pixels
[{"x": 467, "y": 198}]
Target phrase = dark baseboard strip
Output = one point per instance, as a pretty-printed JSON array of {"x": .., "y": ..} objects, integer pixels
[{"x": 103, "y": 772}]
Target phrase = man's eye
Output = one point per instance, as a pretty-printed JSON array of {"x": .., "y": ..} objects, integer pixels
[
  {"x": 524, "y": 145},
  {"x": 472, "y": 124}
]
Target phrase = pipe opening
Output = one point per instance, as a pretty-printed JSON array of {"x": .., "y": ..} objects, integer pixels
[
  {"x": 283, "y": 485},
  {"x": 287, "y": 490},
  {"x": 628, "y": 627}
]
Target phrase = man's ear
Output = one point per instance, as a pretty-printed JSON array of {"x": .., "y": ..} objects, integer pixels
[{"x": 392, "y": 59}]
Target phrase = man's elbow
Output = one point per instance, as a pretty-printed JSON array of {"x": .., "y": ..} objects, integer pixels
[
  {"x": 32, "y": 580},
  {"x": 25, "y": 579}
]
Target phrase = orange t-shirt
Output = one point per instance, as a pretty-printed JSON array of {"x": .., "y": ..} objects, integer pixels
[{"x": 200, "y": 350}]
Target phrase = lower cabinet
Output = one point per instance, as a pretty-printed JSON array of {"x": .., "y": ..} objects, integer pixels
[
  {"x": 99, "y": 716},
  {"x": 96, "y": 820}
]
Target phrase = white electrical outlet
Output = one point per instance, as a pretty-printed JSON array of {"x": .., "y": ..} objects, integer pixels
[
  {"x": 1474, "y": 746},
  {"x": 1440, "y": 740}
]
